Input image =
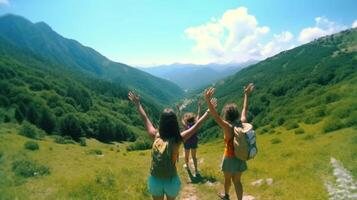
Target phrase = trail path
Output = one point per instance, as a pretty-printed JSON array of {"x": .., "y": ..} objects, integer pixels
[{"x": 190, "y": 191}]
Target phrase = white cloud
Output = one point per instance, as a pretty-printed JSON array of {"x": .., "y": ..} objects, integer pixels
[
  {"x": 6, "y": 2},
  {"x": 236, "y": 37},
  {"x": 354, "y": 24},
  {"x": 279, "y": 43},
  {"x": 323, "y": 27}
]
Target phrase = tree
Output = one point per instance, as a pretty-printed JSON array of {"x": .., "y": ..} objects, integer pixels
[
  {"x": 47, "y": 120},
  {"x": 19, "y": 116},
  {"x": 70, "y": 125}
]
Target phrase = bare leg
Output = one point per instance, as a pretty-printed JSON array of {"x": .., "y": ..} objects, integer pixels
[
  {"x": 187, "y": 157},
  {"x": 238, "y": 185},
  {"x": 158, "y": 198},
  {"x": 227, "y": 182},
  {"x": 170, "y": 198},
  {"x": 193, "y": 154}
]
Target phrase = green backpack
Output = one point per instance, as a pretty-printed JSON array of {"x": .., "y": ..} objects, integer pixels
[{"x": 161, "y": 164}]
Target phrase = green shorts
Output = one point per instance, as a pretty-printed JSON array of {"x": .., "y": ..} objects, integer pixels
[
  {"x": 158, "y": 187},
  {"x": 233, "y": 165}
]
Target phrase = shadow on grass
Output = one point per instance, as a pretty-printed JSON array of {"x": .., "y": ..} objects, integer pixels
[{"x": 199, "y": 179}]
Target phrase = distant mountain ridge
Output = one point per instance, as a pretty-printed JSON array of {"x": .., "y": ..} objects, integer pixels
[
  {"x": 40, "y": 39},
  {"x": 191, "y": 76}
]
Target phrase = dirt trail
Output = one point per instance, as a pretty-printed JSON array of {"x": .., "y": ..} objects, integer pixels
[{"x": 188, "y": 192}]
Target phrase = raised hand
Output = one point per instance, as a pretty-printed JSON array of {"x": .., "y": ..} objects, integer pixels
[
  {"x": 209, "y": 93},
  {"x": 248, "y": 88},
  {"x": 199, "y": 102},
  {"x": 214, "y": 102},
  {"x": 134, "y": 98}
]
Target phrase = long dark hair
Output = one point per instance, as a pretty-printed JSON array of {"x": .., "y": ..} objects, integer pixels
[{"x": 168, "y": 126}]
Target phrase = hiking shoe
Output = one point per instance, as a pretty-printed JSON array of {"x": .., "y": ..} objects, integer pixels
[{"x": 223, "y": 196}]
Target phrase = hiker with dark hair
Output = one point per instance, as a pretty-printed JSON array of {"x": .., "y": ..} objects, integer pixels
[
  {"x": 191, "y": 145},
  {"x": 163, "y": 180},
  {"x": 232, "y": 166}
]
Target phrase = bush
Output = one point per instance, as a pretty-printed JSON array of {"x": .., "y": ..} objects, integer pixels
[
  {"x": 95, "y": 152},
  {"x": 299, "y": 131},
  {"x": 62, "y": 140},
  {"x": 275, "y": 141},
  {"x": 352, "y": 120},
  {"x": 291, "y": 125},
  {"x": 331, "y": 97},
  {"x": 280, "y": 121},
  {"x": 332, "y": 124},
  {"x": 308, "y": 137},
  {"x": 264, "y": 130},
  {"x": 31, "y": 131},
  {"x": 82, "y": 141},
  {"x": 139, "y": 144},
  {"x": 7, "y": 118},
  {"x": 342, "y": 112},
  {"x": 311, "y": 120},
  {"x": 29, "y": 168},
  {"x": 31, "y": 145}
]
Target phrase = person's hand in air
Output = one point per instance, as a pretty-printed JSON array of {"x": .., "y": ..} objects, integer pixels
[
  {"x": 209, "y": 93},
  {"x": 248, "y": 88},
  {"x": 134, "y": 98},
  {"x": 214, "y": 102}
]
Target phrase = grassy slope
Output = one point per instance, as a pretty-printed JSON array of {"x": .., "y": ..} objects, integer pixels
[{"x": 299, "y": 166}]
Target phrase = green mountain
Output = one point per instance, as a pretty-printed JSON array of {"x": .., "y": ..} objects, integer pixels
[
  {"x": 48, "y": 97},
  {"x": 315, "y": 82},
  {"x": 41, "y": 40}
]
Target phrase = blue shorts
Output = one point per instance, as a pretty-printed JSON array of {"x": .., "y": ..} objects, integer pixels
[
  {"x": 158, "y": 187},
  {"x": 188, "y": 146},
  {"x": 233, "y": 165}
]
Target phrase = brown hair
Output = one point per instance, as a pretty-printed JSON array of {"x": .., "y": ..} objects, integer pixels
[
  {"x": 168, "y": 126},
  {"x": 189, "y": 118},
  {"x": 230, "y": 112}
]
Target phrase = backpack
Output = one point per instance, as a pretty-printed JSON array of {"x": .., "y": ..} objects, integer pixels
[
  {"x": 161, "y": 164},
  {"x": 244, "y": 142}
]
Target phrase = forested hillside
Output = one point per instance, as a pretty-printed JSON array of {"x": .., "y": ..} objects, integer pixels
[
  {"x": 316, "y": 82},
  {"x": 48, "y": 97},
  {"x": 41, "y": 40}
]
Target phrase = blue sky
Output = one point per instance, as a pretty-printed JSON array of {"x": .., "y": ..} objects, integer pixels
[{"x": 151, "y": 32}]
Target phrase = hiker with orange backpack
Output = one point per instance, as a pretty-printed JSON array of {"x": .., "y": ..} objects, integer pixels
[
  {"x": 163, "y": 180},
  {"x": 235, "y": 139}
]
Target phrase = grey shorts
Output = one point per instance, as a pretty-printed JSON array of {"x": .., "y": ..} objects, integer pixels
[{"x": 233, "y": 165}]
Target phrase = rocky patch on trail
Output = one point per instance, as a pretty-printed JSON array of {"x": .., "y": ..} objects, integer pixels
[
  {"x": 345, "y": 188},
  {"x": 259, "y": 182}
]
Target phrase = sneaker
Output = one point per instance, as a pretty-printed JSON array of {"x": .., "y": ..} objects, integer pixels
[{"x": 197, "y": 174}]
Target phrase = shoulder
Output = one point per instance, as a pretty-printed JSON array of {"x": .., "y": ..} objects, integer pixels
[{"x": 246, "y": 127}]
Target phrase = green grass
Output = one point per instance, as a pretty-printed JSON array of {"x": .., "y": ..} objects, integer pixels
[{"x": 300, "y": 162}]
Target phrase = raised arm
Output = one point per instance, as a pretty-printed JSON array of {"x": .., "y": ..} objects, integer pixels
[
  {"x": 149, "y": 127},
  {"x": 208, "y": 97},
  {"x": 247, "y": 90},
  {"x": 199, "y": 103},
  {"x": 189, "y": 132}
]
